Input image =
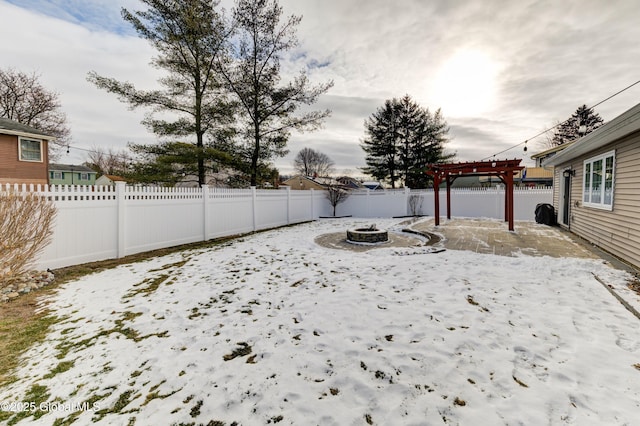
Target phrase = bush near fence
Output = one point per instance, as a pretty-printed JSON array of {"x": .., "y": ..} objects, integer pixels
[{"x": 99, "y": 222}]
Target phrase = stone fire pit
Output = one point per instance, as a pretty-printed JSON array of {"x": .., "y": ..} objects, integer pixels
[{"x": 369, "y": 235}]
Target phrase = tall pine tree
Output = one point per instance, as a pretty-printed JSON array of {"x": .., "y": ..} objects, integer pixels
[
  {"x": 570, "y": 129},
  {"x": 401, "y": 138},
  {"x": 269, "y": 108},
  {"x": 190, "y": 37}
]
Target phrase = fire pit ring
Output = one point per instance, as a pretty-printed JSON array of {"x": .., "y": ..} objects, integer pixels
[{"x": 369, "y": 235}]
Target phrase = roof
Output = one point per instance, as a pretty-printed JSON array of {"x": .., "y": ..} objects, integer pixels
[
  {"x": 552, "y": 150},
  {"x": 115, "y": 178},
  {"x": 621, "y": 126},
  {"x": 70, "y": 168},
  {"x": 322, "y": 181},
  {"x": 12, "y": 127}
]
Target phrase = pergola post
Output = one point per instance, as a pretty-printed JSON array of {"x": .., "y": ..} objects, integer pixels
[
  {"x": 504, "y": 169},
  {"x": 436, "y": 198},
  {"x": 509, "y": 201},
  {"x": 449, "y": 197}
]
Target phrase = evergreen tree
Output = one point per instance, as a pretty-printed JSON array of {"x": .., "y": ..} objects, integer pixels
[
  {"x": 401, "y": 139},
  {"x": 190, "y": 37},
  {"x": 268, "y": 108},
  {"x": 168, "y": 163},
  {"x": 570, "y": 129},
  {"x": 381, "y": 144}
]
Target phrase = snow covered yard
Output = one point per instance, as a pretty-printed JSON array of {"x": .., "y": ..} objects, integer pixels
[{"x": 275, "y": 329}]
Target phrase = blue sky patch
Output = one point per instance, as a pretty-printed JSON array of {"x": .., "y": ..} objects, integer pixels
[{"x": 95, "y": 15}]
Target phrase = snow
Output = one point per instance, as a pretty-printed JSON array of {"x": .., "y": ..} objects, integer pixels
[{"x": 389, "y": 336}]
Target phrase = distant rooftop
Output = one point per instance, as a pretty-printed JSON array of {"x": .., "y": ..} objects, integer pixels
[
  {"x": 12, "y": 127},
  {"x": 70, "y": 168}
]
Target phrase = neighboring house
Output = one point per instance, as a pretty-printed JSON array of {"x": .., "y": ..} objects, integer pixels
[
  {"x": 597, "y": 186},
  {"x": 540, "y": 175},
  {"x": 374, "y": 186},
  {"x": 109, "y": 180},
  {"x": 542, "y": 157},
  {"x": 534, "y": 176},
  {"x": 350, "y": 183},
  {"x": 304, "y": 183},
  {"x": 24, "y": 153},
  {"x": 68, "y": 174}
]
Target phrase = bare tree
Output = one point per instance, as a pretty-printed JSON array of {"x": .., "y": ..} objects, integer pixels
[
  {"x": 309, "y": 162},
  {"x": 109, "y": 161},
  {"x": 25, "y": 100},
  {"x": 26, "y": 221},
  {"x": 336, "y": 195}
]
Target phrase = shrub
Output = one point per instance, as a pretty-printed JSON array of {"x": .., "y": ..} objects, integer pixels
[{"x": 26, "y": 227}]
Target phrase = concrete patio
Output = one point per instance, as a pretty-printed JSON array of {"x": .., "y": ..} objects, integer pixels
[
  {"x": 493, "y": 237},
  {"x": 489, "y": 236}
]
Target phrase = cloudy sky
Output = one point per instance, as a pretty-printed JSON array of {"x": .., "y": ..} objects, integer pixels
[{"x": 501, "y": 71}]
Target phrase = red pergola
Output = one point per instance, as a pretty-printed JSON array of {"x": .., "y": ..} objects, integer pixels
[{"x": 503, "y": 169}]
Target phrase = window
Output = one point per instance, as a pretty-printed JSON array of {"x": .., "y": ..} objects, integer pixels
[
  {"x": 30, "y": 150},
  {"x": 597, "y": 189},
  {"x": 57, "y": 175},
  {"x": 84, "y": 176}
]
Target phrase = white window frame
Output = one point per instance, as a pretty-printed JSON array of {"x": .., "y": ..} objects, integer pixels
[
  {"x": 58, "y": 175},
  {"x": 84, "y": 176},
  {"x": 596, "y": 197},
  {"x": 20, "y": 157}
]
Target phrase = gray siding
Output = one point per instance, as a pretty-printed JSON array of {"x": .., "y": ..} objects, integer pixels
[{"x": 617, "y": 231}]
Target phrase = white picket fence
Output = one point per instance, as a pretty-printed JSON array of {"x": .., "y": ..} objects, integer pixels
[{"x": 97, "y": 223}]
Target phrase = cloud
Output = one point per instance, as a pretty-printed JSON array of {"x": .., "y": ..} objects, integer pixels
[
  {"x": 62, "y": 53},
  {"x": 98, "y": 15},
  {"x": 551, "y": 57}
]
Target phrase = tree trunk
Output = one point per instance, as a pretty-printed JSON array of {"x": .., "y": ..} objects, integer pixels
[{"x": 199, "y": 133}]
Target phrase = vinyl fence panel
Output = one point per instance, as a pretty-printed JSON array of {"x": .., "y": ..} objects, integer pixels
[{"x": 96, "y": 223}]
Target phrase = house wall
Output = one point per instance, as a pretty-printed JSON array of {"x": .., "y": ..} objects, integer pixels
[
  {"x": 616, "y": 231},
  {"x": 72, "y": 178},
  {"x": 14, "y": 171}
]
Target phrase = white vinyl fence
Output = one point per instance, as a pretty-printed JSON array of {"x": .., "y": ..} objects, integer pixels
[
  {"x": 97, "y": 223},
  {"x": 465, "y": 202}
]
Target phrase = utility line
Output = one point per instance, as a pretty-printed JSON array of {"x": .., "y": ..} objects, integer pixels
[
  {"x": 69, "y": 146},
  {"x": 561, "y": 123}
]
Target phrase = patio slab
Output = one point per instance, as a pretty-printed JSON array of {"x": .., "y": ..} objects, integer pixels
[{"x": 493, "y": 237}]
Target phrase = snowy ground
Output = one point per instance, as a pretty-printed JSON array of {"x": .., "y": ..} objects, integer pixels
[{"x": 273, "y": 329}]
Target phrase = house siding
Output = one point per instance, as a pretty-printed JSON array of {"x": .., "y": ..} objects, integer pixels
[
  {"x": 616, "y": 231},
  {"x": 14, "y": 171}
]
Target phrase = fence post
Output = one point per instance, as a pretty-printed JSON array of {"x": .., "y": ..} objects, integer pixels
[
  {"x": 368, "y": 204},
  {"x": 254, "y": 207},
  {"x": 120, "y": 197},
  {"x": 205, "y": 209},
  {"x": 313, "y": 207},
  {"x": 407, "y": 195},
  {"x": 288, "y": 205}
]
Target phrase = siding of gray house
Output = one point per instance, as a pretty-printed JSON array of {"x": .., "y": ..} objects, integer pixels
[{"x": 616, "y": 231}]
